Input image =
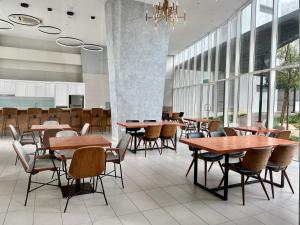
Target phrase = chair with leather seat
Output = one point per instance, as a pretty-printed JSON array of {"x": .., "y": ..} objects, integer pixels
[
  {"x": 34, "y": 116},
  {"x": 152, "y": 134},
  {"x": 34, "y": 164},
  {"x": 10, "y": 116},
  {"x": 133, "y": 131},
  {"x": 87, "y": 162},
  {"x": 205, "y": 156},
  {"x": 229, "y": 131},
  {"x": 117, "y": 155},
  {"x": 213, "y": 126},
  {"x": 253, "y": 163},
  {"x": 26, "y": 138},
  {"x": 76, "y": 118},
  {"x": 284, "y": 134},
  {"x": 280, "y": 159},
  {"x": 168, "y": 132}
]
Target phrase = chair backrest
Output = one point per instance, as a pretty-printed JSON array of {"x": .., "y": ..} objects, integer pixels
[
  {"x": 85, "y": 129},
  {"x": 87, "y": 162},
  {"x": 47, "y": 135},
  {"x": 153, "y": 132},
  {"x": 284, "y": 134},
  {"x": 183, "y": 127},
  {"x": 181, "y": 114},
  {"x": 123, "y": 145},
  {"x": 230, "y": 131},
  {"x": 214, "y": 125},
  {"x": 195, "y": 135},
  {"x": 14, "y": 132},
  {"x": 219, "y": 133},
  {"x": 10, "y": 112},
  {"x": 283, "y": 155},
  {"x": 168, "y": 130},
  {"x": 256, "y": 159},
  {"x": 175, "y": 116},
  {"x": 66, "y": 133},
  {"x": 50, "y": 122},
  {"x": 24, "y": 158}
]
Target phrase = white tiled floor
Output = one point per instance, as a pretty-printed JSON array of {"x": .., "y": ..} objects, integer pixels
[{"x": 156, "y": 192}]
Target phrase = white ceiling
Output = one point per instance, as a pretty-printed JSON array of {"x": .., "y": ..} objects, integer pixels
[{"x": 202, "y": 16}]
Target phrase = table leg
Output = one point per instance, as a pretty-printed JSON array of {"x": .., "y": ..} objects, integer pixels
[
  {"x": 135, "y": 142},
  {"x": 77, "y": 185},
  {"x": 282, "y": 180},
  {"x": 195, "y": 167},
  {"x": 226, "y": 176},
  {"x": 175, "y": 140},
  {"x": 198, "y": 127}
]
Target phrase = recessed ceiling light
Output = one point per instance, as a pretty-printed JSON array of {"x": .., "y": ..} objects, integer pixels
[
  {"x": 93, "y": 17},
  {"x": 49, "y": 9},
  {"x": 24, "y": 19},
  {"x": 24, "y": 4},
  {"x": 70, "y": 13}
]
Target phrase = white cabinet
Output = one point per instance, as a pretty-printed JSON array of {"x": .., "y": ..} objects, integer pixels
[
  {"x": 7, "y": 87},
  {"x": 21, "y": 88},
  {"x": 77, "y": 89},
  {"x": 50, "y": 90},
  {"x": 61, "y": 94}
]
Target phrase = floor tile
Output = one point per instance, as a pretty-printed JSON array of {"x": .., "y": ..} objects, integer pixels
[
  {"x": 134, "y": 219},
  {"x": 159, "y": 217},
  {"x": 142, "y": 201}
]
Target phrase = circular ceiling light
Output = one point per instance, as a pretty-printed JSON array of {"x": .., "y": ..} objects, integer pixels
[
  {"x": 69, "y": 42},
  {"x": 24, "y": 19},
  {"x": 6, "y": 25},
  {"x": 49, "y": 30},
  {"x": 92, "y": 47}
]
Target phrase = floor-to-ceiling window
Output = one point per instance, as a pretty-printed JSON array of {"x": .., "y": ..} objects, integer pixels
[{"x": 247, "y": 69}]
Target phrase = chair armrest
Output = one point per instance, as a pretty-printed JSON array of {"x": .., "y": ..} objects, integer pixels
[
  {"x": 47, "y": 156},
  {"x": 28, "y": 133}
]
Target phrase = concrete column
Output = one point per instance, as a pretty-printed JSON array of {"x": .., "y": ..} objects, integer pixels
[{"x": 137, "y": 56}]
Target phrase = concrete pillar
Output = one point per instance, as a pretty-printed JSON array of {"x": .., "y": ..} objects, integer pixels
[{"x": 137, "y": 56}]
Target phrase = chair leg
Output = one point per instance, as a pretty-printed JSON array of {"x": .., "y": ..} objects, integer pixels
[
  {"x": 161, "y": 146},
  {"x": 271, "y": 180},
  {"x": 262, "y": 184},
  {"x": 69, "y": 196},
  {"x": 210, "y": 166},
  {"x": 205, "y": 172},
  {"x": 288, "y": 180},
  {"x": 221, "y": 182},
  {"x": 16, "y": 160},
  {"x": 243, "y": 187},
  {"x": 121, "y": 176},
  {"x": 145, "y": 149},
  {"x": 192, "y": 163},
  {"x": 115, "y": 170},
  {"x": 247, "y": 179},
  {"x": 28, "y": 189},
  {"x": 266, "y": 172},
  {"x": 221, "y": 167},
  {"x": 103, "y": 191}
]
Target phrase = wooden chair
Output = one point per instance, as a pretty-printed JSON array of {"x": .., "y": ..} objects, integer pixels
[
  {"x": 76, "y": 118},
  {"x": 34, "y": 164},
  {"x": 168, "y": 132},
  {"x": 85, "y": 129},
  {"x": 284, "y": 134},
  {"x": 10, "y": 116},
  {"x": 116, "y": 156},
  {"x": 229, "y": 131},
  {"x": 213, "y": 125},
  {"x": 87, "y": 162},
  {"x": 280, "y": 159},
  {"x": 253, "y": 163},
  {"x": 96, "y": 118},
  {"x": 65, "y": 154},
  {"x": 133, "y": 131},
  {"x": 34, "y": 116},
  {"x": 54, "y": 114},
  {"x": 26, "y": 138},
  {"x": 152, "y": 134}
]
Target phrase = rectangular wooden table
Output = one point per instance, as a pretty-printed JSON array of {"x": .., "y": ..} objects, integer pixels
[
  {"x": 198, "y": 121},
  {"x": 73, "y": 143},
  {"x": 132, "y": 125},
  {"x": 50, "y": 127},
  {"x": 224, "y": 146},
  {"x": 256, "y": 130}
]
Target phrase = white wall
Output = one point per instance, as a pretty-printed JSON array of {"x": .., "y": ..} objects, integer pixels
[{"x": 96, "y": 89}]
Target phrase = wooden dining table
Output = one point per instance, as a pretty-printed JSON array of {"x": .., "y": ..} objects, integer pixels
[
  {"x": 132, "y": 125},
  {"x": 257, "y": 130},
  {"x": 198, "y": 121},
  {"x": 44, "y": 127},
  {"x": 226, "y": 145},
  {"x": 73, "y": 143}
]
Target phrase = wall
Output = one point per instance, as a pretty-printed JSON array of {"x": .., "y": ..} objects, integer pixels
[{"x": 30, "y": 59}]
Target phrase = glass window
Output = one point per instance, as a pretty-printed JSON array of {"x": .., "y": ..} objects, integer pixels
[
  {"x": 220, "y": 100},
  {"x": 245, "y": 39},
  {"x": 205, "y": 59},
  {"x": 222, "y": 51},
  {"x": 233, "y": 31},
  {"x": 288, "y": 33},
  {"x": 264, "y": 15},
  {"x": 243, "y": 100},
  {"x": 213, "y": 42},
  {"x": 260, "y": 99},
  {"x": 230, "y": 110}
]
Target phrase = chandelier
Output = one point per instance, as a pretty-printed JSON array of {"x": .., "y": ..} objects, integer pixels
[{"x": 165, "y": 11}]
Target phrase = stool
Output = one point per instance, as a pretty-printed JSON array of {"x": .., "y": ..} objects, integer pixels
[
  {"x": 96, "y": 118},
  {"x": 34, "y": 116},
  {"x": 10, "y": 115},
  {"x": 54, "y": 114},
  {"x": 76, "y": 118}
]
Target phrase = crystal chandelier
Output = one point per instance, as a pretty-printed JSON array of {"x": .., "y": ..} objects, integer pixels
[{"x": 165, "y": 11}]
